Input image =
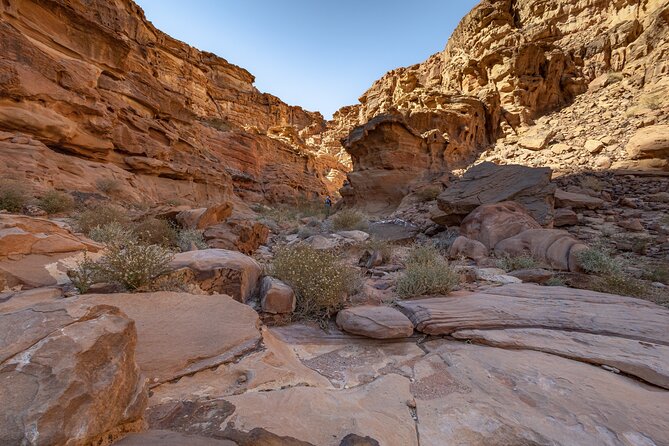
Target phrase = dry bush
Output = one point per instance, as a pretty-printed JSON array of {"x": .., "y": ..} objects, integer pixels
[
  {"x": 189, "y": 238},
  {"x": 348, "y": 220},
  {"x": 514, "y": 263},
  {"x": 319, "y": 278},
  {"x": 108, "y": 185},
  {"x": 84, "y": 274},
  {"x": 133, "y": 265},
  {"x": 154, "y": 231},
  {"x": 111, "y": 233},
  {"x": 54, "y": 202},
  {"x": 427, "y": 272},
  {"x": 13, "y": 195},
  {"x": 101, "y": 215}
]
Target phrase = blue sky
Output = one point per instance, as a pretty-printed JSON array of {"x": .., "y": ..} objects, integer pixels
[{"x": 318, "y": 54}]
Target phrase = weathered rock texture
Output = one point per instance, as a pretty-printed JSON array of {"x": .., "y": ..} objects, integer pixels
[
  {"x": 510, "y": 62},
  {"x": 68, "y": 375},
  {"x": 92, "y": 91}
]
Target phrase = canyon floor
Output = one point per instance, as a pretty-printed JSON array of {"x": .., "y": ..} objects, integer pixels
[{"x": 493, "y": 269}]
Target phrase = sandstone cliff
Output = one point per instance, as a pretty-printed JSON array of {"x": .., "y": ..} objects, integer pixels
[
  {"x": 508, "y": 63},
  {"x": 87, "y": 85}
]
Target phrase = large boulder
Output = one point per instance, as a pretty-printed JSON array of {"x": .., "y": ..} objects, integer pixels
[
  {"x": 466, "y": 247},
  {"x": 554, "y": 247},
  {"x": 179, "y": 334},
  {"x": 649, "y": 142},
  {"x": 488, "y": 183},
  {"x": 379, "y": 322},
  {"x": 576, "y": 201},
  {"x": 38, "y": 252},
  {"x": 276, "y": 297},
  {"x": 202, "y": 218},
  {"x": 68, "y": 375},
  {"x": 491, "y": 223},
  {"x": 244, "y": 236},
  {"x": 219, "y": 271}
]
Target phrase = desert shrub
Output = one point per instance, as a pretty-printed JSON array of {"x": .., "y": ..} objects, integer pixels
[
  {"x": 108, "y": 185},
  {"x": 154, "y": 231},
  {"x": 306, "y": 232},
  {"x": 555, "y": 281},
  {"x": 319, "y": 278},
  {"x": 348, "y": 220},
  {"x": 428, "y": 193},
  {"x": 383, "y": 246},
  {"x": 111, "y": 233},
  {"x": 187, "y": 238},
  {"x": 656, "y": 273},
  {"x": 651, "y": 101},
  {"x": 614, "y": 76},
  {"x": 621, "y": 284},
  {"x": 101, "y": 215},
  {"x": 54, "y": 202},
  {"x": 598, "y": 260},
  {"x": 133, "y": 265},
  {"x": 13, "y": 195},
  {"x": 427, "y": 272},
  {"x": 513, "y": 263},
  {"x": 84, "y": 274}
]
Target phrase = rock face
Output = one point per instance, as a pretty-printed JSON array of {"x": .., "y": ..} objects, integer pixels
[
  {"x": 375, "y": 322},
  {"x": 650, "y": 142},
  {"x": 68, "y": 375},
  {"x": 510, "y": 62},
  {"x": 276, "y": 297},
  {"x": 390, "y": 157},
  {"x": 488, "y": 183},
  {"x": 219, "y": 271},
  {"x": 37, "y": 252},
  {"x": 149, "y": 112}
]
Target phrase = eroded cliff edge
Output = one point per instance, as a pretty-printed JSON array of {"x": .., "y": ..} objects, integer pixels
[{"x": 87, "y": 85}]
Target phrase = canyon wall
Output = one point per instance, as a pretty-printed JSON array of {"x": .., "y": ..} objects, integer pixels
[
  {"x": 91, "y": 92},
  {"x": 508, "y": 63}
]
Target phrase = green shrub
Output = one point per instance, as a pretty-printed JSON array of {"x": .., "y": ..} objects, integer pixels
[
  {"x": 54, "y": 202},
  {"x": 133, "y": 265},
  {"x": 13, "y": 195},
  {"x": 656, "y": 273},
  {"x": 154, "y": 231},
  {"x": 513, "y": 263},
  {"x": 100, "y": 215},
  {"x": 427, "y": 272},
  {"x": 555, "y": 281},
  {"x": 319, "y": 278},
  {"x": 189, "y": 238},
  {"x": 306, "y": 232},
  {"x": 111, "y": 233},
  {"x": 84, "y": 274},
  {"x": 598, "y": 260},
  {"x": 348, "y": 220},
  {"x": 108, "y": 185},
  {"x": 620, "y": 284}
]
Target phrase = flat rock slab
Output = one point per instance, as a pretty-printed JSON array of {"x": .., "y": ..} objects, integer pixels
[
  {"x": 644, "y": 360},
  {"x": 378, "y": 322},
  {"x": 179, "y": 333},
  {"x": 478, "y": 395},
  {"x": 534, "y": 306}
]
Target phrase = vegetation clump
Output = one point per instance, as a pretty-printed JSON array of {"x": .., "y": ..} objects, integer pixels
[
  {"x": 429, "y": 193},
  {"x": 514, "y": 263},
  {"x": 348, "y": 220},
  {"x": 100, "y": 215},
  {"x": 384, "y": 247},
  {"x": 155, "y": 231},
  {"x": 55, "y": 202},
  {"x": 427, "y": 272},
  {"x": 319, "y": 278},
  {"x": 134, "y": 265},
  {"x": 187, "y": 239},
  {"x": 13, "y": 195},
  {"x": 111, "y": 233},
  {"x": 108, "y": 185}
]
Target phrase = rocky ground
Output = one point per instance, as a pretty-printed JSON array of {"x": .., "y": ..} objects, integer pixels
[{"x": 496, "y": 271}]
